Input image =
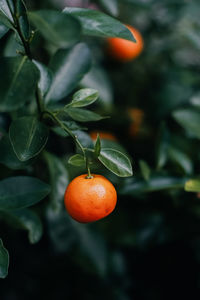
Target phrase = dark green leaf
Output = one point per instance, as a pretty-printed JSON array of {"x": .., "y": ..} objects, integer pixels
[
  {"x": 145, "y": 170},
  {"x": 18, "y": 82},
  {"x": 24, "y": 219},
  {"x": 8, "y": 156},
  {"x": 97, "y": 147},
  {"x": 162, "y": 146},
  {"x": 76, "y": 62},
  {"x": 181, "y": 159},
  {"x": 116, "y": 162},
  {"x": 28, "y": 137},
  {"x": 59, "y": 179},
  {"x": 77, "y": 160},
  {"x": 99, "y": 24},
  {"x": 22, "y": 191},
  {"x": 5, "y": 21},
  {"x": 45, "y": 78},
  {"x": 21, "y": 12},
  {"x": 155, "y": 183},
  {"x": 83, "y": 115},
  {"x": 84, "y": 97},
  {"x": 189, "y": 119},
  {"x": 4, "y": 260},
  {"x": 7, "y": 8},
  {"x": 3, "y": 30},
  {"x": 60, "y": 29},
  {"x": 192, "y": 185},
  {"x": 98, "y": 79}
]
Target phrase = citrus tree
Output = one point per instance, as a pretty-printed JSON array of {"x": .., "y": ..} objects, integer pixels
[
  {"x": 85, "y": 93},
  {"x": 39, "y": 101}
]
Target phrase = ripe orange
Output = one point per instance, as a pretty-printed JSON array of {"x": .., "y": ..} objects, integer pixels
[
  {"x": 136, "y": 115},
  {"x": 90, "y": 199},
  {"x": 103, "y": 135},
  {"x": 124, "y": 50}
]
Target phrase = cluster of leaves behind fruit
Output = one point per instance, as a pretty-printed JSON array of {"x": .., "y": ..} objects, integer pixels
[{"x": 30, "y": 92}]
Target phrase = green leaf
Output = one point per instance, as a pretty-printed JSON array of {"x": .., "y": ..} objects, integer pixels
[
  {"x": 192, "y": 185},
  {"x": 98, "y": 79},
  {"x": 154, "y": 184},
  {"x": 189, "y": 119},
  {"x": 116, "y": 162},
  {"x": 5, "y": 21},
  {"x": 21, "y": 12},
  {"x": 77, "y": 160},
  {"x": 59, "y": 179},
  {"x": 8, "y": 156},
  {"x": 111, "y": 6},
  {"x": 73, "y": 126},
  {"x": 96, "y": 23},
  {"x": 4, "y": 260},
  {"x": 83, "y": 115},
  {"x": 18, "y": 82},
  {"x": 3, "y": 30},
  {"x": 145, "y": 170},
  {"x": 162, "y": 146},
  {"x": 84, "y": 97},
  {"x": 76, "y": 62},
  {"x": 45, "y": 78},
  {"x": 97, "y": 146},
  {"x": 182, "y": 159},
  {"x": 22, "y": 191},
  {"x": 24, "y": 219},
  {"x": 60, "y": 29},
  {"x": 28, "y": 137},
  {"x": 7, "y": 9}
]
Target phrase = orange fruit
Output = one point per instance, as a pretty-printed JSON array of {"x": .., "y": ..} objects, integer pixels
[
  {"x": 124, "y": 50},
  {"x": 90, "y": 199},
  {"x": 103, "y": 135},
  {"x": 136, "y": 116}
]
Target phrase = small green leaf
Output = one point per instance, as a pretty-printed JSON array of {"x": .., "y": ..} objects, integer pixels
[
  {"x": 60, "y": 29},
  {"x": 192, "y": 185},
  {"x": 84, "y": 97},
  {"x": 22, "y": 191},
  {"x": 45, "y": 78},
  {"x": 83, "y": 115},
  {"x": 145, "y": 170},
  {"x": 77, "y": 160},
  {"x": 18, "y": 82},
  {"x": 75, "y": 61},
  {"x": 189, "y": 119},
  {"x": 116, "y": 162},
  {"x": 96, "y": 23},
  {"x": 97, "y": 147},
  {"x": 4, "y": 260},
  {"x": 28, "y": 137}
]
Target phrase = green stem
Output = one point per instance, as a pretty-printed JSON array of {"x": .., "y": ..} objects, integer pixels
[{"x": 75, "y": 138}]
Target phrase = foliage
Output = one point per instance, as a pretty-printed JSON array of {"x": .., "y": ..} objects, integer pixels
[{"x": 58, "y": 83}]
